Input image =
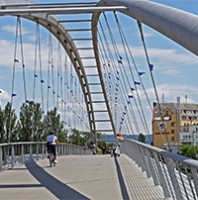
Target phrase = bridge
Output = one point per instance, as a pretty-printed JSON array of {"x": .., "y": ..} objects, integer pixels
[{"x": 72, "y": 68}]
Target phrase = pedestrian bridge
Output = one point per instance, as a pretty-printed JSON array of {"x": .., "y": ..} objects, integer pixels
[
  {"x": 74, "y": 68},
  {"x": 141, "y": 172},
  {"x": 79, "y": 177}
]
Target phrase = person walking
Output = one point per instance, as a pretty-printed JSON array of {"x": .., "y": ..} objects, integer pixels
[{"x": 85, "y": 148}]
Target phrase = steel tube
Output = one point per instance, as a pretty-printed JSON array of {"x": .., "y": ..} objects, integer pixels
[
  {"x": 58, "y": 11},
  {"x": 180, "y": 26}
]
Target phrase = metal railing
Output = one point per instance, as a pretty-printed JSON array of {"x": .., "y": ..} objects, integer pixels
[
  {"x": 18, "y": 153},
  {"x": 178, "y": 175}
]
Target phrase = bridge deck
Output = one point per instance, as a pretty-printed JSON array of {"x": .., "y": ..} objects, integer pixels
[{"x": 79, "y": 177}]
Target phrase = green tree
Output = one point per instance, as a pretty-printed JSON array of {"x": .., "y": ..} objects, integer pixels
[
  {"x": 30, "y": 122},
  {"x": 52, "y": 122},
  {"x": 189, "y": 151},
  {"x": 37, "y": 123},
  {"x": 80, "y": 138},
  {"x": 10, "y": 122},
  {"x": 141, "y": 138},
  {"x": 2, "y": 131},
  {"x": 75, "y": 137}
]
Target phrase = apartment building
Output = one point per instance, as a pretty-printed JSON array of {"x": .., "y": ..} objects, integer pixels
[{"x": 172, "y": 121}]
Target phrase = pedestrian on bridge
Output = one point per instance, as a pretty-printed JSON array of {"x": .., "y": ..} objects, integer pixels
[
  {"x": 51, "y": 144},
  {"x": 85, "y": 148}
]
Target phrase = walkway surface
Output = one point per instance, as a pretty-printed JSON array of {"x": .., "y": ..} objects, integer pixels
[{"x": 79, "y": 177}]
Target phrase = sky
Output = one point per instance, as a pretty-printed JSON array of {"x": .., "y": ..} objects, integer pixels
[{"x": 175, "y": 68}]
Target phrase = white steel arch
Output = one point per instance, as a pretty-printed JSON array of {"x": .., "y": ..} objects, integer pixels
[
  {"x": 179, "y": 26},
  {"x": 45, "y": 16}
]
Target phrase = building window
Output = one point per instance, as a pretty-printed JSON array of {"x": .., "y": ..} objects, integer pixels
[
  {"x": 172, "y": 139},
  {"x": 183, "y": 117},
  {"x": 172, "y": 131},
  {"x": 172, "y": 124}
]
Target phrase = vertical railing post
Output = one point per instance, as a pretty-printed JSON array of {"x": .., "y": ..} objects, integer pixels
[
  {"x": 37, "y": 151},
  {"x": 161, "y": 176},
  {"x": 173, "y": 177},
  {"x": 58, "y": 150},
  {"x": 12, "y": 155},
  {"x": 152, "y": 167},
  {"x": 31, "y": 153},
  {"x": 146, "y": 162},
  {"x": 142, "y": 160},
  {"x": 22, "y": 153},
  {"x": 43, "y": 151},
  {"x": 1, "y": 157},
  {"x": 67, "y": 149},
  {"x": 62, "y": 150},
  {"x": 195, "y": 179}
]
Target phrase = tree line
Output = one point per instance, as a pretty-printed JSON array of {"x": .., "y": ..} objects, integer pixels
[{"x": 32, "y": 125}]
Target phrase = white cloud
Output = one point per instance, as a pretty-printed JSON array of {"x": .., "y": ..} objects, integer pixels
[
  {"x": 172, "y": 91},
  {"x": 7, "y": 2},
  {"x": 166, "y": 55},
  {"x": 12, "y": 29},
  {"x": 168, "y": 61},
  {"x": 7, "y": 55},
  {"x": 4, "y": 95}
]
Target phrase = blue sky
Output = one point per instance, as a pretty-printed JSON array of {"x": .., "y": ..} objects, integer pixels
[{"x": 175, "y": 69}]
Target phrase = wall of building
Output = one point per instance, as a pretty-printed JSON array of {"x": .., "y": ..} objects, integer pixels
[{"x": 167, "y": 134}]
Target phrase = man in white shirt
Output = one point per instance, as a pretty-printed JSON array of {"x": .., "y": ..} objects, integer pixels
[{"x": 52, "y": 141}]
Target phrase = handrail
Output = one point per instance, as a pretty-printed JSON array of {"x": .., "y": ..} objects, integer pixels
[
  {"x": 12, "y": 154},
  {"x": 178, "y": 175}
]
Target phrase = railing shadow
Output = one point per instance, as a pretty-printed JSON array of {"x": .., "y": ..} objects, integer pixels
[
  {"x": 59, "y": 189},
  {"x": 121, "y": 180}
]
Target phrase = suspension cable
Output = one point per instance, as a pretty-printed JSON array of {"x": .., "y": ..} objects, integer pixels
[
  {"x": 22, "y": 60},
  {"x": 13, "y": 77},
  {"x": 40, "y": 65},
  {"x": 152, "y": 78},
  {"x": 133, "y": 60},
  {"x": 126, "y": 46},
  {"x": 106, "y": 65},
  {"x": 122, "y": 68}
]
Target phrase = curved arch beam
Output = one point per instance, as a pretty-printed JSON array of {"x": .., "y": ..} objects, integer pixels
[
  {"x": 95, "y": 19},
  {"x": 180, "y": 26},
  {"x": 51, "y": 24}
]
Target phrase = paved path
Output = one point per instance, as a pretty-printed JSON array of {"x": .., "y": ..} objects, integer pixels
[{"x": 79, "y": 177}]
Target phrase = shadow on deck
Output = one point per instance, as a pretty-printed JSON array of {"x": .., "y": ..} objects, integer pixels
[{"x": 79, "y": 177}]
